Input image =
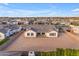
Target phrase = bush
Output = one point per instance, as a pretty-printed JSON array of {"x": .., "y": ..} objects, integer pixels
[
  {"x": 3, "y": 41},
  {"x": 60, "y": 52}
]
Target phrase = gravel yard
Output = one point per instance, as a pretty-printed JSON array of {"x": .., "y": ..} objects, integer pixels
[{"x": 43, "y": 44}]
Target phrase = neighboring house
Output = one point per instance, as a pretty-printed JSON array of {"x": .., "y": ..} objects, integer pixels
[
  {"x": 26, "y": 22},
  {"x": 1, "y": 26},
  {"x": 41, "y": 22},
  {"x": 2, "y": 36},
  {"x": 4, "y": 33},
  {"x": 41, "y": 31},
  {"x": 75, "y": 29},
  {"x": 9, "y": 30},
  {"x": 65, "y": 23},
  {"x": 21, "y": 22},
  {"x": 14, "y": 28},
  {"x": 13, "y": 22}
]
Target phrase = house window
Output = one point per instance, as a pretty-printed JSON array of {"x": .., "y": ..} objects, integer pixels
[
  {"x": 43, "y": 33},
  {"x": 32, "y": 34},
  {"x": 52, "y": 34},
  {"x": 28, "y": 34}
]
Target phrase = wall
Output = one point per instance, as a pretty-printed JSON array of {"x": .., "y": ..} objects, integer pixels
[
  {"x": 2, "y": 36},
  {"x": 30, "y": 31},
  {"x": 47, "y": 34},
  {"x": 75, "y": 28}
]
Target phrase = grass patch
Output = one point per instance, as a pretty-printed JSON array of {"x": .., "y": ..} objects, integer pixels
[
  {"x": 60, "y": 52},
  {"x": 3, "y": 41}
]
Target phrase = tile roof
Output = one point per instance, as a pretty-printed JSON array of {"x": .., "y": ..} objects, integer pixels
[
  {"x": 4, "y": 29},
  {"x": 42, "y": 28}
]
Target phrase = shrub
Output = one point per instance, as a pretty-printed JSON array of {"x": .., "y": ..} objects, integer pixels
[{"x": 3, "y": 41}]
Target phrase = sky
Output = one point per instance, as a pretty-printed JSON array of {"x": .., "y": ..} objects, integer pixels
[{"x": 39, "y": 9}]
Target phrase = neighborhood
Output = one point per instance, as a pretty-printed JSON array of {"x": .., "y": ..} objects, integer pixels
[
  {"x": 38, "y": 33},
  {"x": 40, "y": 26},
  {"x": 37, "y": 26}
]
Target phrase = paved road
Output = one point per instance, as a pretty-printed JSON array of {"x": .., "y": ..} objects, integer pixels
[
  {"x": 43, "y": 44},
  {"x": 10, "y": 53}
]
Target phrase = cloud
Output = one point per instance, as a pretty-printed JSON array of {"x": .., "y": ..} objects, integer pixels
[
  {"x": 6, "y": 3},
  {"x": 6, "y": 11},
  {"x": 76, "y": 10}
]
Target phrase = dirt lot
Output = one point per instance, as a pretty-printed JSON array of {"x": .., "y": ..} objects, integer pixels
[{"x": 43, "y": 44}]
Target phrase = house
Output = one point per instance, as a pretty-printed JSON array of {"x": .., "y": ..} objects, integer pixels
[
  {"x": 2, "y": 36},
  {"x": 13, "y": 22},
  {"x": 41, "y": 22},
  {"x": 41, "y": 31},
  {"x": 5, "y": 32},
  {"x": 26, "y": 22},
  {"x": 75, "y": 29},
  {"x": 9, "y": 30},
  {"x": 4, "y": 22},
  {"x": 22, "y": 21},
  {"x": 14, "y": 28}
]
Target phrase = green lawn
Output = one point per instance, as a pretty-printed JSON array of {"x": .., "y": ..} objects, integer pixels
[
  {"x": 60, "y": 52},
  {"x": 3, "y": 41}
]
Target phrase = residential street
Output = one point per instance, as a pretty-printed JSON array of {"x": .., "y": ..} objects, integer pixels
[{"x": 65, "y": 40}]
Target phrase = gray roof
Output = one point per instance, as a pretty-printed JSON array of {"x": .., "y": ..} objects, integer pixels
[
  {"x": 4, "y": 30},
  {"x": 12, "y": 27},
  {"x": 1, "y": 26},
  {"x": 42, "y": 28}
]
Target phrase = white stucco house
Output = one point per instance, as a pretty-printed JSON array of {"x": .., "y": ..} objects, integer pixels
[
  {"x": 41, "y": 31},
  {"x": 75, "y": 29},
  {"x": 2, "y": 36},
  {"x": 4, "y": 33},
  {"x": 14, "y": 28},
  {"x": 7, "y": 31}
]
